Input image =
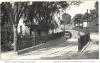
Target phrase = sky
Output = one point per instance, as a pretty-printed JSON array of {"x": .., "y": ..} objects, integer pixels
[
  {"x": 82, "y": 8},
  {"x": 75, "y": 9}
]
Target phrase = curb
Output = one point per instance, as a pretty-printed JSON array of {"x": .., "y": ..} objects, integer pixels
[
  {"x": 26, "y": 50},
  {"x": 85, "y": 47}
]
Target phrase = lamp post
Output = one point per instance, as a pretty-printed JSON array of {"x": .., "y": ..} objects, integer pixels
[
  {"x": 85, "y": 23},
  {"x": 79, "y": 25}
]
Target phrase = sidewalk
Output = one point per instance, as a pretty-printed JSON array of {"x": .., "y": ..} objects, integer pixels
[
  {"x": 92, "y": 51},
  {"x": 59, "y": 49},
  {"x": 50, "y": 49}
]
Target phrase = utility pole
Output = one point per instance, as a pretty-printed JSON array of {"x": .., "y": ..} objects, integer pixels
[
  {"x": 87, "y": 24},
  {"x": 87, "y": 18},
  {"x": 87, "y": 21},
  {"x": 87, "y": 15}
]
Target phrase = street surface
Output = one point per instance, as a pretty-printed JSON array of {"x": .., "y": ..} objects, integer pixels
[{"x": 60, "y": 49}]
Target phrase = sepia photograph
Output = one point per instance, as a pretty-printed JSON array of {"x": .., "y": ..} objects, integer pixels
[{"x": 49, "y": 30}]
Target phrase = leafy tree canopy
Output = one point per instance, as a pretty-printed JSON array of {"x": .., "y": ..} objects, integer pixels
[
  {"x": 78, "y": 18},
  {"x": 66, "y": 18},
  {"x": 43, "y": 12}
]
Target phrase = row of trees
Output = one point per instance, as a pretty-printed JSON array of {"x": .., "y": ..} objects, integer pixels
[
  {"x": 36, "y": 13},
  {"x": 92, "y": 16},
  {"x": 11, "y": 13},
  {"x": 40, "y": 12}
]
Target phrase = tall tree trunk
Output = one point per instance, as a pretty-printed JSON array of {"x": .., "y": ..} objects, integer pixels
[
  {"x": 0, "y": 32},
  {"x": 15, "y": 36}
]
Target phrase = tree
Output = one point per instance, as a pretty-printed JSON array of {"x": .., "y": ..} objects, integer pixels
[
  {"x": 66, "y": 18},
  {"x": 75, "y": 3},
  {"x": 94, "y": 13},
  {"x": 5, "y": 34},
  {"x": 14, "y": 12},
  {"x": 54, "y": 26},
  {"x": 0, "y": 29},
  {"x": 78, "y": 18},
  {"x": 42, "y": 13}
]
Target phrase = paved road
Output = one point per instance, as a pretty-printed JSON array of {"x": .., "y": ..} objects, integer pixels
[
  {"x": 51, "y": 49},
  {"x": 60, "y": 49}
]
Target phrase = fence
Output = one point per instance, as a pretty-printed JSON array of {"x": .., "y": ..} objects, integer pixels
[
  {"x": 23, "y": 41},
  {"x": 29, "y": 41},
  {"x": 83, "y": 40}
]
